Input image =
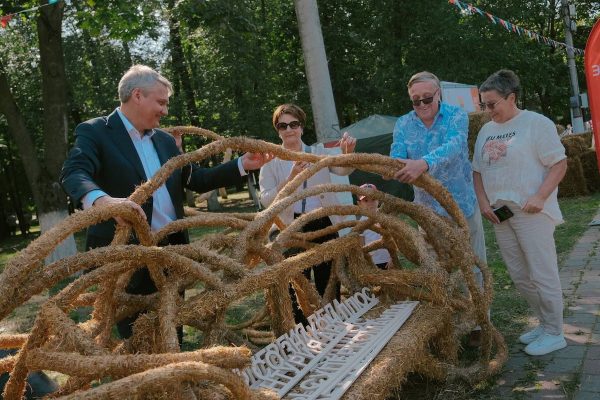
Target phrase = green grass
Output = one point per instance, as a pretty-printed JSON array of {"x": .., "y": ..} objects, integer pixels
[{"x": 577, "y": 213}]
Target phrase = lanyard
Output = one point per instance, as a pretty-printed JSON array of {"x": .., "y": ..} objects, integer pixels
[{"x": 308, "y": 150}]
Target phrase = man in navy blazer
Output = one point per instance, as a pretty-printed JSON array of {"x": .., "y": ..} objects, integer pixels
[{"x": 115, "y": 154}]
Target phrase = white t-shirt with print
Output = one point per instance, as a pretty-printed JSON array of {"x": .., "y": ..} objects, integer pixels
[{"x": 514, "y": 158}]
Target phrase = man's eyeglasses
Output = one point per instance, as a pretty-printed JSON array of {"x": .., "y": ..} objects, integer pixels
[
  {"x": 426, "y": 100},
  {"x": 282, "y": 126},
  {"x": 490, "y": 106}
]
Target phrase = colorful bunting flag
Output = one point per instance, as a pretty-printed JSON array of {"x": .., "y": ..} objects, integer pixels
[
  {"x": 466, "y": 8},
  {"x": 5, "y": 19}
]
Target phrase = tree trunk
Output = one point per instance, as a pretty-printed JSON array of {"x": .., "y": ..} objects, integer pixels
[
  {"x": 52, "y": 207},
  {"x": 253, "y": 192},
  {"x": 4, "y": 229},
  {"x": 213, "y": 202},
  {"x": 226, "y": 158},
  {"x": 180, "y": 68},
  {"x": 317, "y": 73},
  {"x": 43, "y": 174},
  {"x": 127, "y": 51},
  {"x": 190, "y": 198}
]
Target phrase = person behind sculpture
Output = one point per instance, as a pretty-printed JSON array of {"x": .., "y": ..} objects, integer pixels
[
  {"x": 518, "y": 163},
  {"x": 381, "y": 257},
  {"x": 289, "y": 121},
  {"x": 113, "y": 155},
  {"x": 433, "y": 138}
]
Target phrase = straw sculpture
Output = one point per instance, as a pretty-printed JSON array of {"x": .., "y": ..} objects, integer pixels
[
  {"x": 477, "y": 120},
  {"x": 228, "y": 268},
  {"x": 582, "y": 175}
]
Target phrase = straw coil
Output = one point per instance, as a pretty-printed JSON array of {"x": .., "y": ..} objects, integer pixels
[{"x": 225, "y": 269}]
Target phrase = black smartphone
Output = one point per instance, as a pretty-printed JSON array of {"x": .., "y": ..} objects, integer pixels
[{"x": 503, "y": 213}]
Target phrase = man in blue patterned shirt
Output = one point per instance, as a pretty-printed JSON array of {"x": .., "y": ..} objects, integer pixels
[{"x": 433, "y": 138}]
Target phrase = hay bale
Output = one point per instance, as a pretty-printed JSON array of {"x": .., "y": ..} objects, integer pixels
[
  {"x": 589, "y": 165},
  {"x": 573, "y": 184},
  {"x": 476, "y": 121},
  {"x": 575, "y": 145},
  {"x": 587, "y": 136}
]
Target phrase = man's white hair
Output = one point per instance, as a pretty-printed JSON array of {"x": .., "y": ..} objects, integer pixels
[
  {"x": 140, "y": 77},
  {"x": 424, "y": 76}
]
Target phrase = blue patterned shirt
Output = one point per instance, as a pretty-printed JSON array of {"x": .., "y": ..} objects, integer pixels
[{"x": 444, "y": 147}]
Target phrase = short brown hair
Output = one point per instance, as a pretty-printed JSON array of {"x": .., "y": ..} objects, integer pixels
[
  {"x": 423, "y": 76},
  {"x": 504, "y": 82},
  {"x": 291, "y": 109}
]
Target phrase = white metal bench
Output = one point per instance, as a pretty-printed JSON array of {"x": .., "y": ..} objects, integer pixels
[{"x": 322, "y": 360}]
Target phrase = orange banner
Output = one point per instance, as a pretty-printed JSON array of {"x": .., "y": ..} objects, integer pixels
[{"x": 592, "y": 76}]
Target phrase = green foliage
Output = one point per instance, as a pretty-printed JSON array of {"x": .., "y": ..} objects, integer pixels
[
  {"x": 244, "y": 57},
  {"x": 122, "y": 20}
]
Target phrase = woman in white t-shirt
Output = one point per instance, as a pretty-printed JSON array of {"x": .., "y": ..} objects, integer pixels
[{"x": 518, "y": 163}]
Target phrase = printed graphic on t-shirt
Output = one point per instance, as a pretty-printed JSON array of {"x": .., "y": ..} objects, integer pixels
[{"x": 496, "y": 147}]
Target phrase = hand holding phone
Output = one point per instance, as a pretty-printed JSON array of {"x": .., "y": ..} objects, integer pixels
[{"x": 503, "y": 213}]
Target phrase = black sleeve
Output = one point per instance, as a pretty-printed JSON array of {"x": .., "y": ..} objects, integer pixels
[
  {"x": 203, "y": 180},
  {"x": 81, "y": 165}
]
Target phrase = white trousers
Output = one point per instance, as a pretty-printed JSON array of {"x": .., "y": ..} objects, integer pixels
[{"x": 526, "y": 242}]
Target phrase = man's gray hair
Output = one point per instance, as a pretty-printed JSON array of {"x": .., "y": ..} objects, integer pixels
[
  {"x": 423, "y": 76},
  {"x": 504, "y": 82},
  {"x": 140, "y": 77}
]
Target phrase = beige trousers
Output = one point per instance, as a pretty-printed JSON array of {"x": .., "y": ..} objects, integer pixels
[{"x": 526, "y": 242}]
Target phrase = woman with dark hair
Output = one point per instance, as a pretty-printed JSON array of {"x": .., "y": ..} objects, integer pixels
[
  {"x": 518, "y": 163},
  {"x": 289, "y": 121}
]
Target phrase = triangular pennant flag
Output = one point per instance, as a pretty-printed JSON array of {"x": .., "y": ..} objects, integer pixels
[
  {"x": 5, "y": 19},
  {"x": 468, "y": 8}
]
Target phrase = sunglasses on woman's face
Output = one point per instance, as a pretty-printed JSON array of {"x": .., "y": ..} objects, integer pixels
[
  {"x": 426, "y": 100},
  {"x": 282, "y": 126},
  {"x": 490, "y": 106}
]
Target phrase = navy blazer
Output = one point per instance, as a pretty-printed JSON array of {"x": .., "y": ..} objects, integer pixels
[{"x": 105, "y": 158}]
